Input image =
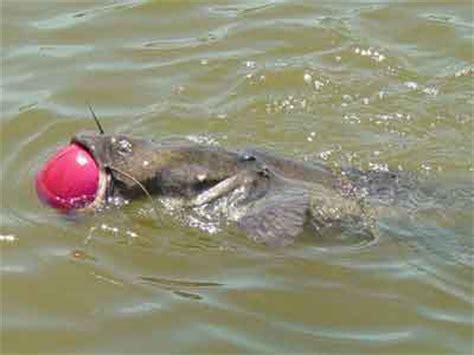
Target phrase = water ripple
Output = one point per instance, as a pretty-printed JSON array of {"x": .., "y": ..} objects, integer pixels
[
  {"x": 376, "y": 86},
  {"x": 69, "y": 20}
]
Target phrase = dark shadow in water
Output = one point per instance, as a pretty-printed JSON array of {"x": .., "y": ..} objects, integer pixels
[{"x": 175, "y": 286}]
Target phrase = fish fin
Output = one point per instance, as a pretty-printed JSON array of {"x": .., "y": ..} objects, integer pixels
[
  {"x": 220, "y": 189},
  {"x": 277, "y": 219}
]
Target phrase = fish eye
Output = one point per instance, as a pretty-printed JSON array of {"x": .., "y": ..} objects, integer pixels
[{"x": 123, "y": 146}]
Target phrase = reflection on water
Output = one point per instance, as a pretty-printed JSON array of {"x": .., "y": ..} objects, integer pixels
[{"x": 374, "y": 86}]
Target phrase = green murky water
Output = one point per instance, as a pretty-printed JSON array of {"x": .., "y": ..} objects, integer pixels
[{"x": 375, "y": 85}]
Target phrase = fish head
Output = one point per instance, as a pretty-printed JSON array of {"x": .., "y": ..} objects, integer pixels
[{"x": 124, "y": 161}]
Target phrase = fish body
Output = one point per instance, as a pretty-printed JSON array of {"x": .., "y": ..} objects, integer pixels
[{"x": 270, "y": 198}]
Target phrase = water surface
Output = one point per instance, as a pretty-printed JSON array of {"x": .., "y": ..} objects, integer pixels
[{"x": 375, "y": 85}]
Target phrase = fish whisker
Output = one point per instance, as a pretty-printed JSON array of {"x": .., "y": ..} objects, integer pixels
[
  {"x": 99, "y": 126},
  {"x": 139, "y": 184}
]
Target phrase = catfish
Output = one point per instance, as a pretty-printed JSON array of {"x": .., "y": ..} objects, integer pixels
[{"x": 271, "y": 199}]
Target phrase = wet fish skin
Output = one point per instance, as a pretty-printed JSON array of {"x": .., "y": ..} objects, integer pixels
[{"x": 278, "y": 197}]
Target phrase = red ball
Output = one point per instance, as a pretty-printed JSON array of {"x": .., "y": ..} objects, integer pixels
[{"x": 69, "y": 179}]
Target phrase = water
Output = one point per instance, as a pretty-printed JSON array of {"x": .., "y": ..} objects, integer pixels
[{"x": 375, "y": 85}]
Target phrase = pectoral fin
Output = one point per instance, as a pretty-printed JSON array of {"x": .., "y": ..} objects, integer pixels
[
  {"x": 217, "y": 191},
  {"x": 278, "y": 218}
]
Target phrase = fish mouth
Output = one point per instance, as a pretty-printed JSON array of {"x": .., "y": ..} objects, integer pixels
[
  {"x": 104, "y": 178},
  {"x": 101, "y": 195}
]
